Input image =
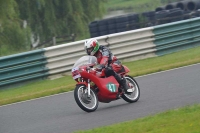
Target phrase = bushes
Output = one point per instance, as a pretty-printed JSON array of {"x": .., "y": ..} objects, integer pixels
[{"x": 14, "y": 38}]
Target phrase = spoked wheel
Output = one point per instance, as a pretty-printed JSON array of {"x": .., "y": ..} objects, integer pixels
[
  {"x": 135, "y": 95},
  {"x": 88, "y": 104}
]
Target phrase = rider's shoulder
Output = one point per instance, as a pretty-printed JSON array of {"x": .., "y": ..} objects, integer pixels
[{"x": 102, "y": 47}]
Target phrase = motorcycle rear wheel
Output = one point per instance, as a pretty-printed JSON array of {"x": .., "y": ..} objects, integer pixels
[
  {"x": 88, "y": 104},
  {"x": 135, "y": 95}
]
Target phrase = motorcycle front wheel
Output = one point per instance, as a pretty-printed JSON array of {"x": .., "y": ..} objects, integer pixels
[
  {"x": 135, "y": 95},
  {"x": 88, "y": 104}
]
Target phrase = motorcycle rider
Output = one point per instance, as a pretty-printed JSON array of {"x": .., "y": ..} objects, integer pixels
[{"x": 106, "y": 60}]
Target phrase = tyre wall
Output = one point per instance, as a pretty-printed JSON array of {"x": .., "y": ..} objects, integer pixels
[
  {"x": 171, "y": 12},
  {"x": 114, "y": 25}
]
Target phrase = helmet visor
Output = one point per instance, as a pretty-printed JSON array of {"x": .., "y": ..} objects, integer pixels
[{"x": 89, "y": 50}]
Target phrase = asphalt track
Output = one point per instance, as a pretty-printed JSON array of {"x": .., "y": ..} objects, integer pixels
[{"x": 60, "y": 114}]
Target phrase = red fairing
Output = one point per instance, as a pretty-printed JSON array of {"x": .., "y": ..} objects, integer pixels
[
  {"x": 126, "y": 69},
  {"x": 82, "y": 83},
  {"x": 108, "y": 87}
]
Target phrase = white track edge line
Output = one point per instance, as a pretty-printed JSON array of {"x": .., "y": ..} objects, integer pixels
[{"x": 168, "y": 70}]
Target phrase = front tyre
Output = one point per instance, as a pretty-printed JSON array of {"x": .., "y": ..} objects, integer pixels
[
  {"x": 88, "y": 104},
  {"x": 135, "y": 95}
]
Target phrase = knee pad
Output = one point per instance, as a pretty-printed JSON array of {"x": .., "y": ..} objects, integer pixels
[{"x": 109, "y": 72}]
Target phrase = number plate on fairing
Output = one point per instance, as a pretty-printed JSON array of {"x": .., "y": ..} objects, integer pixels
[
  {"x": 75, "y": 73},
  {"x": 111, "y": 87}
]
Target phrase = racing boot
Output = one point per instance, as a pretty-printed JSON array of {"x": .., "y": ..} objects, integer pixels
[
  {"x": 126, "y": 87},
  {"x": 123, "y": 83}
]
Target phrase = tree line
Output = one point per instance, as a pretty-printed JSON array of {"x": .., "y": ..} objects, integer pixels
[{"x": 24, "y": 21}]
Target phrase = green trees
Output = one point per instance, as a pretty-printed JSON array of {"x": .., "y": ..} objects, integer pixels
[
  {"x": 45, "y": 19},
  {"x": 12, "y": 36}
]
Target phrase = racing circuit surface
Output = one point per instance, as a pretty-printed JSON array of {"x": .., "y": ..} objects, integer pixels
[{"x": 60, "y": 114}]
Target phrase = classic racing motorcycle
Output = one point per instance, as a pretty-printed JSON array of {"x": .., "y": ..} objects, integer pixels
[{"x": 93, "y": 86}]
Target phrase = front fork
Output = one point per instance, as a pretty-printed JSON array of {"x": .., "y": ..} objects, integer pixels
[
  {"x": 88, "y": 84},
  {"x": 88, "y": 88}
]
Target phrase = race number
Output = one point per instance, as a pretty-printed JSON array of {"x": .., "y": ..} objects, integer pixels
[
  {"x": 111, "y": 87},
  {"x": 75, "y": 73}
]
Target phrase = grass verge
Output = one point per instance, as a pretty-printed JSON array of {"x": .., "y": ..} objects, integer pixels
[
  {"x": 183, "y": 120},
  {"x": 65, "y": 84}
]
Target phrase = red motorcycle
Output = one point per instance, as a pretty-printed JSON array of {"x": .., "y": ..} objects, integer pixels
[{"x": 93, "y": 87}]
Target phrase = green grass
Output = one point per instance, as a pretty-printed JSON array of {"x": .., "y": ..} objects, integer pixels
[
  {"x": 184, "y": 120},
  {"x": 174, "y": 60},
  {"x": 135, "y": 5},
  {"x": 64, "y": 84},
  {"x": 36, "y": 89}
]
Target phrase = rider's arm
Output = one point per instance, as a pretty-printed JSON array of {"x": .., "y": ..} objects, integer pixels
[
  {"x": 102, "y": 64},
  {"x": 104, "y": 60},
  {"x": 105, "y": 54}
]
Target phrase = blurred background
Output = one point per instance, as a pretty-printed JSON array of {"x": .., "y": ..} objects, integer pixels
[{"x": 33, "y": 24}]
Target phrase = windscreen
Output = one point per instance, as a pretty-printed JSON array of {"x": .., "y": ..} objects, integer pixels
[{"x": 85, "y": 61}]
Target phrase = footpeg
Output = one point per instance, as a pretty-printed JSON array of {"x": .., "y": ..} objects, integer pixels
[{"x": 118, "y": 96}]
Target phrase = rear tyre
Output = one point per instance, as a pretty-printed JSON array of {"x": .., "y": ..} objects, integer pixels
[
  {"x": 88, "y": 104},
  {"x": 135, "y": 95}
]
